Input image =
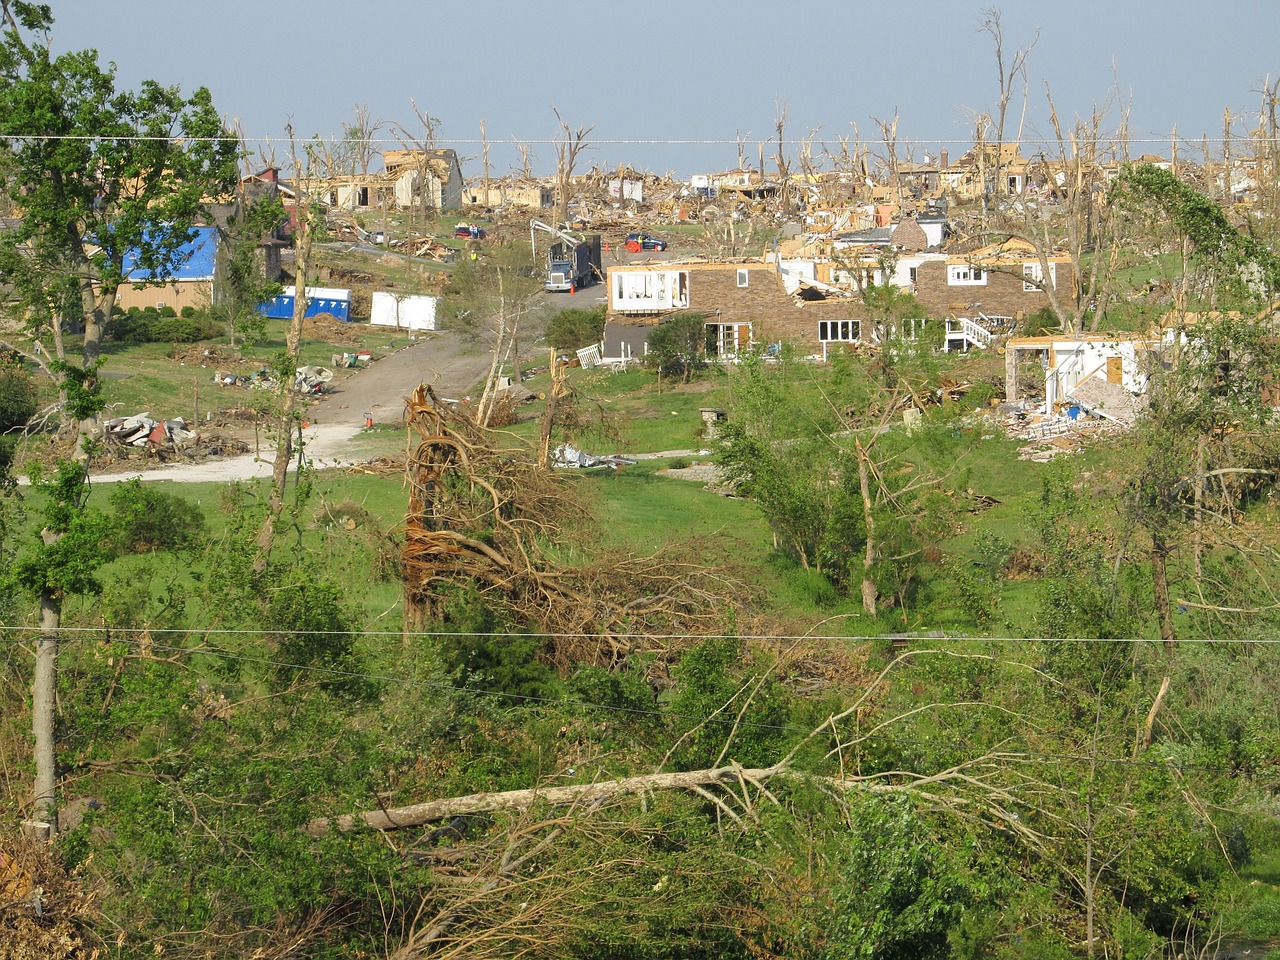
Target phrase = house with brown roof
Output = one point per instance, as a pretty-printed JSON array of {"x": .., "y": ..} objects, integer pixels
[
  {"x": 744, "y": 303},
  {"x": 1007, "y": 279}
]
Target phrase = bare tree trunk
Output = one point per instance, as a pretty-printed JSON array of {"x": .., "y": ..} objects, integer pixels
[
  {"x": 559, "y": 375},
  {"x": 289, "y": 396},
  {"x": 870, "y": 592},
  {"x": 44, "y": 692},
  {"x": 1160, "y": 589},
  {"x": 1198, "y": 556}
]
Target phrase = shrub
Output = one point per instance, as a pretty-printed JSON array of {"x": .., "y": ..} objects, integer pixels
[
  {"x": 574, "y": 328},
  {"x": 188, "y": 312},
  {"x": 152, "y": 326},
  {"x": 149, "y": 519},
  {"x": 677, "y": 347},
  {"x": 168, "y": 312}
]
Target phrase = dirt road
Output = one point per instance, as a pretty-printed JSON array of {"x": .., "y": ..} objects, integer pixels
[{"x": 451, "y": 363}]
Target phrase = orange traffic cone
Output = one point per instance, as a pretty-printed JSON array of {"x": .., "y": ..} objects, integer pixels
[{"x": 572, "y": 289}]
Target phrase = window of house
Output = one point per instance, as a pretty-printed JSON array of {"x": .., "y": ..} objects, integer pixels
[
  {"x": 1032, "y": 276},
  {"x": 160, "y": 304},
  {"x": 911, "y": 275},
  {"x": 743, "y": 277},
  {"x": 839, "y": 331},
  {"x": 965, "y": 274},
  {"x": 728, "y": 339}
]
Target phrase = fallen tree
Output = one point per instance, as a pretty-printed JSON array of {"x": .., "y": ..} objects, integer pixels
[{"x": 485, "y": 513}]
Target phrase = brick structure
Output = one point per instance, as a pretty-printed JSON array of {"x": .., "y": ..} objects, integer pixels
[
  {"x": 744, "y": 304},
  {"x": 1006, "y": 283}
]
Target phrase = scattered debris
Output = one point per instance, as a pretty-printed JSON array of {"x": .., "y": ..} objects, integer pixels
[
  {"x": 312, "y": 379},
  {"x": 346, "y": 360},
  {"x": 141, "y": 431},
  {"x": 567, "y": 456}
]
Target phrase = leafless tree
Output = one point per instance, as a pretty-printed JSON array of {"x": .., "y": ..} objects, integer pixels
[
  {"x": 1008, "y": 73},
  {"x": 361, "y": 136},
  {"x": 570, "y": 142},
  {"x": 780, "y": 160},
  {"x": 287, "y": 395},
  {"x": 420, "y": 142}
]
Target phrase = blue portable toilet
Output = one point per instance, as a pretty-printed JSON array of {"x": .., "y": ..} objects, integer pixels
[{"x": 331, "y": 300}]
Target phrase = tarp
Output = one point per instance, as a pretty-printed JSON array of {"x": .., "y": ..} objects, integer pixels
[{"x": 196, "y": 258}]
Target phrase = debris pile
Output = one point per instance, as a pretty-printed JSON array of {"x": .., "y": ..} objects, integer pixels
[
  {"x": 1048, "y": 437},
  {"x": 141, "y": 437},
  {"x": 312, "y": 379},
  {"x": 141, "y": 431},
  {"x": 567, "y": 456}
]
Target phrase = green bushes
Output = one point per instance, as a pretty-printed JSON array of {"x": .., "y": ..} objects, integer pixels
[
  {"x": 147, "y": 519},
  {"x": 162, "y": 326},
  {"x": 571, "y": 329}
]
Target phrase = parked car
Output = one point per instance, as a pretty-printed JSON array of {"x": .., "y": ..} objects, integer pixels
[{"x": 642, "y": 241}]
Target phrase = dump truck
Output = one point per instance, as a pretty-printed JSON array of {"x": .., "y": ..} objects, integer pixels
[{"x": 572, "y": 261}]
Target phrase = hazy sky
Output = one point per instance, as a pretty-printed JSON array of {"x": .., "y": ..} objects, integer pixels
[{"x": 648, "y": 71}]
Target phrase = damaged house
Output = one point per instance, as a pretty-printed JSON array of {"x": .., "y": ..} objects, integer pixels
[
  {"x": 191, "y": 283},
  {"x": 1006, "y": 279},
  {"x": 745, "y": 304},
  {"x": 410, "y": 179},
  {"x": 1103, "y": 374}
]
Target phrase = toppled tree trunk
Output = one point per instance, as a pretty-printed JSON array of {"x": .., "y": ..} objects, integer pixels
[{"x": 420, "y": 813}]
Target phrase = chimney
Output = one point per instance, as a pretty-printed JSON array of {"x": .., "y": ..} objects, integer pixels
[{"x": 943, "y": 159}]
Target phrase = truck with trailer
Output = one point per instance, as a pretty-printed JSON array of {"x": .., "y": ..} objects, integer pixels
[{"x": 572, "y": 261}]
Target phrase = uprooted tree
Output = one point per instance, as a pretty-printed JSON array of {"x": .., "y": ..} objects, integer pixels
[{"x": 491, "y": 517}]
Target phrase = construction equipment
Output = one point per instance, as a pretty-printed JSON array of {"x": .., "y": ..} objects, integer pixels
[{"x": 572, "y": 261}]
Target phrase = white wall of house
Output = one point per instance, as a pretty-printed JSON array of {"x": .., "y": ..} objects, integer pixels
[
  {"x": 648, "y": 291},
  {"x": 1076, "y": 361},
  {"x": 903, "y": 270},
  {"x": 793, "y": 271}
]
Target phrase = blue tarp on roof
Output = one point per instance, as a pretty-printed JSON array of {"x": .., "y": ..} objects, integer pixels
[{"x": 196, "y": 258}]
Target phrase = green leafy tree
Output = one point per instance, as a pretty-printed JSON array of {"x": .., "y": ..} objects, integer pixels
[
  {"x": 97, "y": 174},
  {"x": 678, "y": 347},
  {"x": 575, "y": 328},
  {"x": 1209, "y": 427},
  {"x": 62, "y": 559},
  {"x": 17, "y": 406},
  {"x": 900, "y": 894}
]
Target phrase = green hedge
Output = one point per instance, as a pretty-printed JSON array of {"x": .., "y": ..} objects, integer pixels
[{"x": 154, "y": 326}]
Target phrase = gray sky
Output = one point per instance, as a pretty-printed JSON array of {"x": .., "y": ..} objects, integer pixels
[{"x": 696, "y": 70}]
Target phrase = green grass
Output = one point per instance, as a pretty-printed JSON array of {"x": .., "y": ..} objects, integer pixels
[{"x": 143, "y": 377}]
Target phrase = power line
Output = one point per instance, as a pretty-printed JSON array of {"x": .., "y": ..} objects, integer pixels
[{"x": 904, "y": 144}]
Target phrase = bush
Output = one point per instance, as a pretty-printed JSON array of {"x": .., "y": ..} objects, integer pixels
[
  {"x": 148, "y": 519},
  {"x": 188, "y": 312},
  {"x": 677, "y": 347},
  {"x": 575, "y": 328},
  {"x": 157, "y": 326}
]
